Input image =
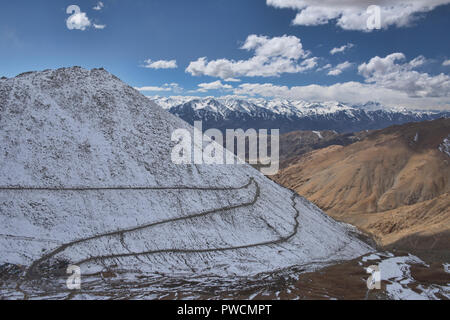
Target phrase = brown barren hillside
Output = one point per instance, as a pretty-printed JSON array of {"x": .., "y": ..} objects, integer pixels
[
  {"x": 295, "y": 144},
  {"x": 394, "y": 184}
]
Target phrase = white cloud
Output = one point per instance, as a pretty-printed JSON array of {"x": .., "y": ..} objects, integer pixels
[
  {"x": 77, "y": 20},
  {"x": 347, "y": 92},
  {"x": 216, "y": 85},
  {"x": 342, "y": 48},
  {"x": 353, "y": 15},
  {"x": 161, "y": 64},
  {"x": 339, "y": 68},
  {"x": 446, "y": 63},
  {"x": 286, "y": 46},
  {"x": 99, "y": 26},
  {"x": 173, "y": 87},
  {"x": 232, "y": 80},
  {"x": 272, "y": 57},
  {"x": 389, "y": 72},
  {"x": 99, "y": 6},
  {"x": 325, "y": 67}
]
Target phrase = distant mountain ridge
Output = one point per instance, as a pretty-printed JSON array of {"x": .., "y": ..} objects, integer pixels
[{"x": 290, "y": 115}]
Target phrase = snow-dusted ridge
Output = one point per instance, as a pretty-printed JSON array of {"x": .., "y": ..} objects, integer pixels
[
  {"x": 289, "y": 115},
  {"x": 279, "y": 106},
  {"x": 86, "y": 179}
]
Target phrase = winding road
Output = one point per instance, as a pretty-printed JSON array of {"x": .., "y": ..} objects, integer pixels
[{"x": 33, "y": 271}]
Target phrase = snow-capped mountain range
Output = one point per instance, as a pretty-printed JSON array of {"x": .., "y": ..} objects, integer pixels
[{"x": 290, "y": 115}]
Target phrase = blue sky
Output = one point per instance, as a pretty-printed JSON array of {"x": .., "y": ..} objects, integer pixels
[{"x": 273, "y": 48}]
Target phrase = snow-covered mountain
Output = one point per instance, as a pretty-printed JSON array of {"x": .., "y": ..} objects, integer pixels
[
  {"x": 87, "y": 180},
  {"x": 289, "y": 115}
]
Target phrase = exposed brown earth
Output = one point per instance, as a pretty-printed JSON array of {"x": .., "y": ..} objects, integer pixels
[
  {"x": 394, "y": 184},
  {"x": 297, "y": 143}
]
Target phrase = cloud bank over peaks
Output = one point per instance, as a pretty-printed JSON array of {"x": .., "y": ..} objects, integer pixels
[
  {"x": 390, "y": 80},
  {"x": 390, "y": 72}
]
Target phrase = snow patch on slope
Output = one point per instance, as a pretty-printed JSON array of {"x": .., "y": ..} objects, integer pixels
[
  {"x": 395, "y": 273},
  {"x": 318, "y": 134}
]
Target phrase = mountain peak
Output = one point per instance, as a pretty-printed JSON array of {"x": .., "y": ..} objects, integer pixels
[{"x": 87, "y": 180}]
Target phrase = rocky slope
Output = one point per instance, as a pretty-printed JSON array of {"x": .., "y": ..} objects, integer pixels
[
  {"x": 394, "y": 184},
  {"x": 87, "y": 180}
]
